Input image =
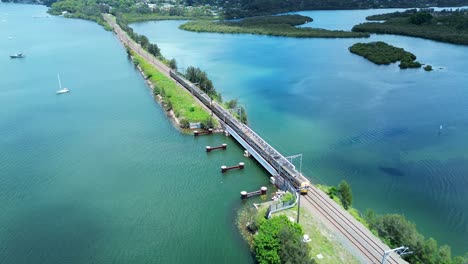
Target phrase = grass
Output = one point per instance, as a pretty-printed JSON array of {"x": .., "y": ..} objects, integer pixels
[
  {"x": 322, "y": 242},
  {"x": 183, "y": 104}
]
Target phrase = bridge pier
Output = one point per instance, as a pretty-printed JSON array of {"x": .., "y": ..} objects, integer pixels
[
  {"x": 262, "y": 191},
  {"x": 225, "y": 169},
  {"x": 209, "y": 149},
  {"x": 199, "y": 133}
]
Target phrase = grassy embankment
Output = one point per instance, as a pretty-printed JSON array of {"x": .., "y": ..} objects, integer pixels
[
  {"x": 451, "y": 27},
  {"x": 382, "y": 53},
  {"x": 270, "y": 25},
  {"x": 395, "y": 230},
  {"x": 174, "y": 97}
]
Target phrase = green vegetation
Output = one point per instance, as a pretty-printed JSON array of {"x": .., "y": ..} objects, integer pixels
[
  {"x": 200, "y": 78},
  {"x": 271, "y": 25},
  {"x": 129, "y": 10},
  {"x": 279, "y": 241},
  {"x": 445, "y": 26},
  {"x": 241, "y": 114},
  {"x": 322, "y": 241},
  {"x": 428, "y": 68},
  {"x": 193, "y": 74},
  {"x": 395, "y": 230},
  {"x": 174, "y": 97},
  {"x": 342, "y": 194},
  {"x": 82, "y": 9},
  {"x": 383, "y": 53},
  {"x": 287, "y": 197}
]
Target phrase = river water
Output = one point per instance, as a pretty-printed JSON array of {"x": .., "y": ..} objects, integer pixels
[
  {"x": 399, "y": 137},
  {"x": 100, "y": 175}
]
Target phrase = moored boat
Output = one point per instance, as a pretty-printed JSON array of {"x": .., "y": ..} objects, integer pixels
[{"x": 17, "y": 56}]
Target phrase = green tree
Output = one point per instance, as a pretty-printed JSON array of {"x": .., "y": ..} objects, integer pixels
[
  {"x": 173, "y": 64},
  {"x": 445, "y": 255},
  {"x": 420, "y": 18},
  {"x": 344, "y": 191},
  {"x": 267, "y": 242},
  {"x": 292, "y": 249}
]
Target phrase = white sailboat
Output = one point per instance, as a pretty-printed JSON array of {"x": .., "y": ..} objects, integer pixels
[{"x": 62, "y": 90}]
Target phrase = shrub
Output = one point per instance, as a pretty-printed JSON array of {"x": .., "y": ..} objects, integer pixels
[
  {"x": 287, "y": 197},
  {"x": 184, "y": 123},
  {"x": 346, "y": 197},
  {"x": 279, "y": 241},
  {"x": 156, "y": 89}
]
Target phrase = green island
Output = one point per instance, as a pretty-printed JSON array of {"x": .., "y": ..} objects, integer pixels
[
  {"x": 446, "y": 26},
  {"x": 382, "y": 53},
  {"x": 284, "y": 25}
]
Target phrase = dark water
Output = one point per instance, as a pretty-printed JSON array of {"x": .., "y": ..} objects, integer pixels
[
  {"x": 100, "y": 175},
  {"x": 375, "y": 126}
]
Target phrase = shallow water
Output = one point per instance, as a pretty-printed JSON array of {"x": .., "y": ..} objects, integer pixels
[{"x": 375, "y": 126}]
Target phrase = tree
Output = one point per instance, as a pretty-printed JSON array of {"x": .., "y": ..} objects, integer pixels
[
  {"x": 344, "y": 190},
  {"x": 420, "y": 18},
  {"x": 144, "y": 42},
  {"x": 292, "y": 249},
  {"x": 173, "y": 64},
  {"x": 445, "y": 255},
  {"x": 267, "y": 242}
]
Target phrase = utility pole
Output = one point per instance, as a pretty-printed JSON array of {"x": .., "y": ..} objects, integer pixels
[
  {"x": 400, "y": 250},
  {"x": 300, "y": 161},
  {"x": 298, "y": 204}
]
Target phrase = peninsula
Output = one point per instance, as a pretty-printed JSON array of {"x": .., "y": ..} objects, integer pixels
[{"x": 285, "y": 25}]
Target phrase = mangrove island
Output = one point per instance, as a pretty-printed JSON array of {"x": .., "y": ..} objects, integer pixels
[{"x": 382, "y": 53}]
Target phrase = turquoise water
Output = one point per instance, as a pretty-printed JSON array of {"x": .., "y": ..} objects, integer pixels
[
  {"x": 375, "y": 126},
  {"x": 100, "y": 175}
]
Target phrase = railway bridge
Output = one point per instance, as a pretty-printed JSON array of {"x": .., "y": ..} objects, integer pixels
[{"x": 353, "y": 235}]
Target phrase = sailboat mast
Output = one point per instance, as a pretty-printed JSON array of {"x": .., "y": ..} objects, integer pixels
[{"x": 60, "y": 84}]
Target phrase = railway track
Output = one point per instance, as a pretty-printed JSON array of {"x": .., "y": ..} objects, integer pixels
[
  {"x": 367, "y": 245},
  {"x": 343, "y": 222}
]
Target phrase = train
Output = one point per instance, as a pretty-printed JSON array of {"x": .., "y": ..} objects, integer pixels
[{"x": 276, "y": 160}]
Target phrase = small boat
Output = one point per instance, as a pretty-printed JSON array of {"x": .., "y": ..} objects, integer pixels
[
  {"x": 62, "y": 90},
  {"x": 17, "y": 56}
]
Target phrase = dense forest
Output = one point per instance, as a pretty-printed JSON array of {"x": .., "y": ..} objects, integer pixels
[
  {"x": 445, "y": 26},
  {"x": 246, "y": 8}
]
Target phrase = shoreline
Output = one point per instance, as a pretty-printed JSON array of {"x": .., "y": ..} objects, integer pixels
[{"x": 152, "y": 71}]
